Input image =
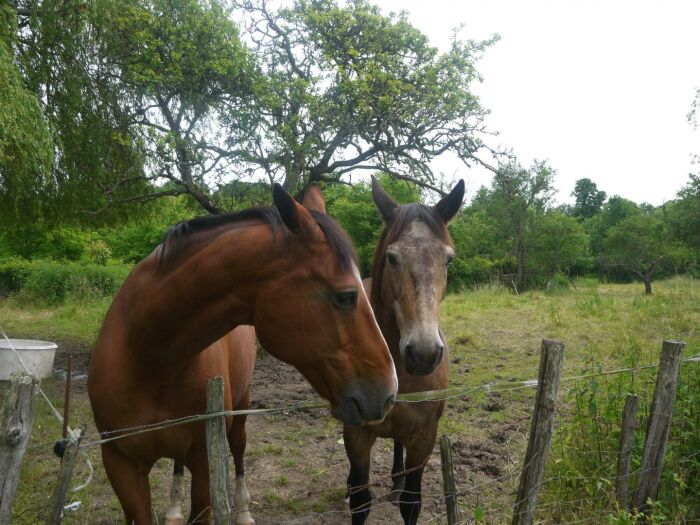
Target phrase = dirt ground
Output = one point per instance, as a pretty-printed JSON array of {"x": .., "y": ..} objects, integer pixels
[{"x": 296, "y": 467}]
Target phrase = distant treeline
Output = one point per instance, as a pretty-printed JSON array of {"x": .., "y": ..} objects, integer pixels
[{"x": 511, "y": 232}]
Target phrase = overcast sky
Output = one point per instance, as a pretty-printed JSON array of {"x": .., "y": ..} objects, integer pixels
[{"x": 600, "y": 89}]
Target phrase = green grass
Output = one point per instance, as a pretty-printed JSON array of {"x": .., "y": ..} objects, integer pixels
[
  {"x": 494, "y": 338},
  {"x": 77, "y": 321}
]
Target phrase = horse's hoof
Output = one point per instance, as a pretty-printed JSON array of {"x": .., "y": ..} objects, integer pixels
[
  {"x": 244, "y": 518},
  {"x": 174, "y": 520}
]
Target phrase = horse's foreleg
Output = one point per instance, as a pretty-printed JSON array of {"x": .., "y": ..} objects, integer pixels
[
  {"x": 174, "y": 515},
  {"x": 237, "y": 443},
  {"x": 197, "y": 462},
  {"x": 398, "y": 481},
  {"x": 129, "y": 480},
  {"x": 358, "y": 445},
  {"x": 416, "y": 457}
]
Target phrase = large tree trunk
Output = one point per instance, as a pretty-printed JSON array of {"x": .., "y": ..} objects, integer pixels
[{"x": 647, "y": 285}]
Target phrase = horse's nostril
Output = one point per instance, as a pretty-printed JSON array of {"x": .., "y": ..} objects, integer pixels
[
  {"x": 389, "y": 403},
  {"x": 440, "y": 349},
  {"x": 409, "y": 350}
]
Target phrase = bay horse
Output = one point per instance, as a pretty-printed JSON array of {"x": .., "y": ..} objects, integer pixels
[
  {"x": 237, "y": 350},
  {"x": 409, "y": 279},
  {"x": 287, "y": 270}
]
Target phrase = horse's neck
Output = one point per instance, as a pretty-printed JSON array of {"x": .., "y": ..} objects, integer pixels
[{"x": 176, "y": 313}]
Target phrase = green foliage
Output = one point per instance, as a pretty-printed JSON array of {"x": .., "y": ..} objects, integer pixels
[
  {"x": 347, "y": 86},
  {"x": 26, "y": 146},
  {"x": 640, "y": 243},
  {"x": 589, "y": 199},
  {"x": 62, "y": 65},
  {"x": 31, "y": 242},
  {"x": 52, "y": 282},
  {"x": 684, "y": 213},
  {"x": 615, "y": 210},
  {"x": 353, "y": 208},
  {"x": 558, "y": 244},
  {"x": 14, "y": 273},
  {"x": 584, "y": 449}
]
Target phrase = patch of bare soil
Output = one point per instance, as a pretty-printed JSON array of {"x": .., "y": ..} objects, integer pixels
[{"x": 296, "y": 467}]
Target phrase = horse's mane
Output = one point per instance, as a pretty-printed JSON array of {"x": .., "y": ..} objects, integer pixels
[
  {"x": 404, "y": 216},
  {"x": 178, "y": 237}
]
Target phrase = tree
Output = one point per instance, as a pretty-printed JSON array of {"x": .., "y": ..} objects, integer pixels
[
  {"x": 559, "y": 243},
  {"x": 612, "y": 213},
  {"x": 589, "y": 199},
  {"x": 520, "y": 194},
  {"x": 639, "y": 244},
  {"x": 55, "y": 48},
  {"x": 187, "y": 84},
  {"x": 346, "y": 88},
  {"x": 147, "y": 98},
  {"x": 26, "y": 146},
  {"x": 684, "y": 213}
]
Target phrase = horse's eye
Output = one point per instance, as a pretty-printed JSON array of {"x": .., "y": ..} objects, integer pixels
[
  {"x": 392, "y": 258},
  {"x": 346, "y": 299}
]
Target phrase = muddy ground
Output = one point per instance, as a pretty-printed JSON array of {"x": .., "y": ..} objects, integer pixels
[
  {"x": 295, "y": 462},
  {"x": 296, "y": 467}
]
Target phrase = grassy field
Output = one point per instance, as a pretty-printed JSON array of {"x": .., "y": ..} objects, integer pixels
[{"x": 494, "y": 338}]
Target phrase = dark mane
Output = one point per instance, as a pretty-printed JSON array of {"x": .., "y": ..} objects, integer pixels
[
  {"x": 178, "y": 237},
  {"x": 404, "y": 216}
]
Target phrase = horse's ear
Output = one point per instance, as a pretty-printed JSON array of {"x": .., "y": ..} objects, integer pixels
[
  {"x": 383, "y": 201},
  {"x": 449, "y": 205},
  {"x": 313, "y": 198},
  {"x": 294, "y": 215}
]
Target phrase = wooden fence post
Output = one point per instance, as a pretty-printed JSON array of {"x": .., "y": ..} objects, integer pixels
[
  {"x": 17, "y": 421},
  {"x": 629, "y": 423},
  {"x": 217, "y": 452},
  {"x": 448, "y": 480},
  {"x": 551, "y": 360},
  {"x": 65, "y": 472},
  {"x": 659, "y": 423}
]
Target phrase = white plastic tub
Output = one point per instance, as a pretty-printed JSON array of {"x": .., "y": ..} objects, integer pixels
[{"x": 36, "y": 355}]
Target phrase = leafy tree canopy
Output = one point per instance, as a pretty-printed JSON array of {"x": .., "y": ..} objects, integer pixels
[
  {"x": 138, "y": 93},
  {"x": 26, "y": 148},
  {"x": 639, "y": 244},
  {"x": 589, "y": 199}
]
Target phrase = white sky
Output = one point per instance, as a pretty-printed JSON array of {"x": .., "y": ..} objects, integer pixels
[{"x": 600, "y": 89}]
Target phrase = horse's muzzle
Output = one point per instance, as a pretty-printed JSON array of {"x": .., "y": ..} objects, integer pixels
[
  {"x": 364, "y": 406},
  {"x": 422, "y": 361}
]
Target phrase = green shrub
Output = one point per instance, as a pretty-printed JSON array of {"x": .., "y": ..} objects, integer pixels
[
  {"x": 52, "y": 282},
  {"x": 97, "y": 252},
  {"x": 133, "y": 242},
  {"x": 14, "y": 272},
  {"x": 465, "y": 273}
]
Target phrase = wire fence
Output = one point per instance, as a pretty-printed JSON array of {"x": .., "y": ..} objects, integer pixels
[{"x": 468, "y": 488}]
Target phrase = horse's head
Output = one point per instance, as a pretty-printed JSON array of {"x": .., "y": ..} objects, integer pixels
[
  {"x": 410, "y": 272},
  {"x": 316, "y": 316}
]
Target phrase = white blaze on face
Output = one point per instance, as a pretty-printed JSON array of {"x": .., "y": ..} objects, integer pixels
[
  {"x": 417, "y": 278},
  {"x": 361, "y": 290}
]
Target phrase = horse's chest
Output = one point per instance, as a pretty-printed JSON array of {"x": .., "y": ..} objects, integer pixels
[{"x": 408, "y": 422}]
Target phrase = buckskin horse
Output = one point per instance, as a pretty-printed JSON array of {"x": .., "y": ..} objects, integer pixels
[
  {"x": 409, "y": 278},
  {"x": 287, "y": 270}
]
